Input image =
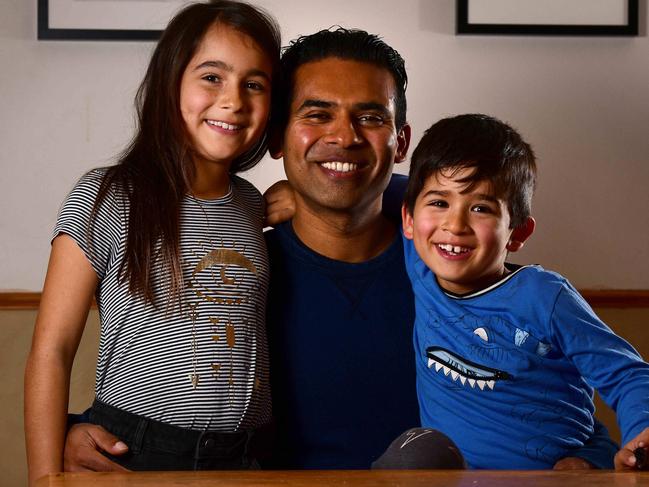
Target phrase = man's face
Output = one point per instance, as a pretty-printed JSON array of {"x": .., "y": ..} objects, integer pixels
[{"x": 341, "y": 140}]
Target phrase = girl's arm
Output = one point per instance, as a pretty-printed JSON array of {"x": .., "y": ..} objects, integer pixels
[{"x": 67, "y": 294}]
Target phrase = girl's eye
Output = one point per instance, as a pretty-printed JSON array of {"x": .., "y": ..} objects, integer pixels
[
  {"x": 254, "y": 85},
  {"x": 212, "y": 78}
]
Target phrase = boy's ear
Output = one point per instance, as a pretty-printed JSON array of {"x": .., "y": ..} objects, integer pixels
[
  {"x": 407, "y": 222},
  {"x": 521, "y": 234},
  {"x": 403, "y": 143}
]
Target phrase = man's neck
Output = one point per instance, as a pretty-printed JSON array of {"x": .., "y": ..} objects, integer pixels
[{"x": 342, "y": 236}]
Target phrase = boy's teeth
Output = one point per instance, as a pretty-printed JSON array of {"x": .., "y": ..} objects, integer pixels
[
  {"x": 223, "y": 125},
  {"x": 340, "y": 166},
  {"x": 452, "y": 248}
]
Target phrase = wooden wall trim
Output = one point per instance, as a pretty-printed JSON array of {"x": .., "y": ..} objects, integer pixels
[
  {"x": 22, "y": 301},
  {"x": 618, "y": 298}
]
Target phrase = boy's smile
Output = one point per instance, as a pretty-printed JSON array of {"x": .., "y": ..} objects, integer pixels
[{"x": 462, "y": 235}]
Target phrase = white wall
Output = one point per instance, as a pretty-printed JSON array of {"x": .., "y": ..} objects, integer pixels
[{"x": 582, "y": 102}]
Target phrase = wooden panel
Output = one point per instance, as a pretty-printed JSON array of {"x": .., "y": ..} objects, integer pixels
[
  {"x": 596, "y": 298},
  {"x": 354, "y": 478}
]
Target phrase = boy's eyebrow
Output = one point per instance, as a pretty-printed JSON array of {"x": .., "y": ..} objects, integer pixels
[{"x": 229, "y": 68}]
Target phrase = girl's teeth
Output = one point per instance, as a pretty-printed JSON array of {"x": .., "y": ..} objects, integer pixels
[
  {"x": 340, "y": 166},
  {"x": 223, "y": 125}
]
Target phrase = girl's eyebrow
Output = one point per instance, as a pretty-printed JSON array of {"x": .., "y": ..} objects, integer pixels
[{"x": 229, "y": 68}]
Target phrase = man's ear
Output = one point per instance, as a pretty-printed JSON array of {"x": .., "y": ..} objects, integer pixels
[
  {"x": 275, "y": 141},
  {"x": 406, "y": 222},
  {"x": 403, "y": 142},
  {"x": 521, "y": 234}
]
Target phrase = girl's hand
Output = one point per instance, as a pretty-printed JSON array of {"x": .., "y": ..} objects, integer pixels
[{"x": 280, "y": 203}]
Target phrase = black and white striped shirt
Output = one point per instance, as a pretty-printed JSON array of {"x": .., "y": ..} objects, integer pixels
[{"x": 201, "y": 365}]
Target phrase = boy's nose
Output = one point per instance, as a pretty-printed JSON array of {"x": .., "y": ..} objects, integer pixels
[{"x": 455, "y": 222}]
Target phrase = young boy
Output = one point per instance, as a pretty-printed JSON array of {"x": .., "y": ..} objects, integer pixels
[{"x": 507, "y": 355}]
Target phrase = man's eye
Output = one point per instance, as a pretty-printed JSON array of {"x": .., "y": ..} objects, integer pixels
[
  {"x": 317, "y": 116},
  {"x": 482, "y": 209},
  {"x": 370, "y": 119}
]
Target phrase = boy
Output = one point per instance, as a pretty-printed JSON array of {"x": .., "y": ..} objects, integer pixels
[{"x": 506, "y": 354}]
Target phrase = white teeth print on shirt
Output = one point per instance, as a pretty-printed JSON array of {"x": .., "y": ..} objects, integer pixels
[
  {"x": 223, "y": 125},
  {"x": 340, "y": 166},
  {"x": 453, "y": 249}
]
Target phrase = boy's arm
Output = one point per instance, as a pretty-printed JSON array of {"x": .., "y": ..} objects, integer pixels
[
  {"x": 626, "y": 459},
  {"x": 67, "y": 294},
  {"x": 598, "y": 452},
  {"x": 605, "y": 360},
  {"x": 393, "y": 197}
]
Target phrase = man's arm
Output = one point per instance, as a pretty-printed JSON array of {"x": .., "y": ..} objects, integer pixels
[{"x": 84, "y": 445}]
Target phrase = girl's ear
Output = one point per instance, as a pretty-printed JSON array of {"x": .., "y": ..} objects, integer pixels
[
  {"x": 407, "y": 222},
  {"x": 275, "y": 141},
  {"x": 521, "y": 234}
]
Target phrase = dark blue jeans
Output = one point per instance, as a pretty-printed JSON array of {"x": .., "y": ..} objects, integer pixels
[{"x": 158, "y": 446}]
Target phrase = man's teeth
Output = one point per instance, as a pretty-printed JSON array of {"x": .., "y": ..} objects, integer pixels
[
  {"x": 223, "y": 125},
  {"x": 456, "y": 375},
  {"x": 454, "y": 249},
  {"x": 340, "y": 166}
]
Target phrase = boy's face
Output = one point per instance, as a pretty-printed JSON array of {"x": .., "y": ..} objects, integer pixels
[{"x": 462, "y": 236}]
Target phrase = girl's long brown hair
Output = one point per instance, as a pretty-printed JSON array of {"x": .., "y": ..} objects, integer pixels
[{"x": 156, "y": 169}]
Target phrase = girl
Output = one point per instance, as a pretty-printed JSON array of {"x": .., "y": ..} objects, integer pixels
[{"x": 170, "y": 242}]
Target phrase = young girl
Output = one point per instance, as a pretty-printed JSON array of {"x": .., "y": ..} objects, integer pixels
[{"x": 170, "y": 243}]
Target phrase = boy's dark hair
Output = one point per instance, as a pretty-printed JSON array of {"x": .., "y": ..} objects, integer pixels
[
  {"x": 349, "y": 44},
  {"x": 495, "y": 150}
]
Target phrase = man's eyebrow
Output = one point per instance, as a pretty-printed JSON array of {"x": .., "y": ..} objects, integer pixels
[
  {"x": 314, "y": 103},
  {"x": 374, "y": 106},
  {"x": 229, "y": 68}
]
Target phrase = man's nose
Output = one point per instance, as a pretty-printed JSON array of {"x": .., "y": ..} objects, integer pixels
[{"x": 343, "y": 132}]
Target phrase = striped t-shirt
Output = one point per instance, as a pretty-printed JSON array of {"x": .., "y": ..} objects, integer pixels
[{"x": 200, "y": 365}]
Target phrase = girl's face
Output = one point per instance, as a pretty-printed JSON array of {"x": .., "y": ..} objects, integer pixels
[{"x": 225, "y": 95}]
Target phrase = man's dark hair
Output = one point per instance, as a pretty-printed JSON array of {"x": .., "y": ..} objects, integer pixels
[
  {"x": 349, "y": 44},
  {"x": 495, "y": 151}
]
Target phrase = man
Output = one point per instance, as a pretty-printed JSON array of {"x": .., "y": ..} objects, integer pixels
[{"x": 340, "y": 307}]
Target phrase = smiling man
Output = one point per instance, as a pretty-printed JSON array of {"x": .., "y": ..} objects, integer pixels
[{"x": 340, "y": 308}]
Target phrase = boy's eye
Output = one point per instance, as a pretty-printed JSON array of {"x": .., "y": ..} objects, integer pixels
[
  {"x": 438, "y": 203},
  {"x": 482, "y": 209}
]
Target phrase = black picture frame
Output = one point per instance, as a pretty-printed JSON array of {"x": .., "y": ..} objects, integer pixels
[
  {"x": 45, "y": 31},
  {"x": 463, "y": 26}
]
